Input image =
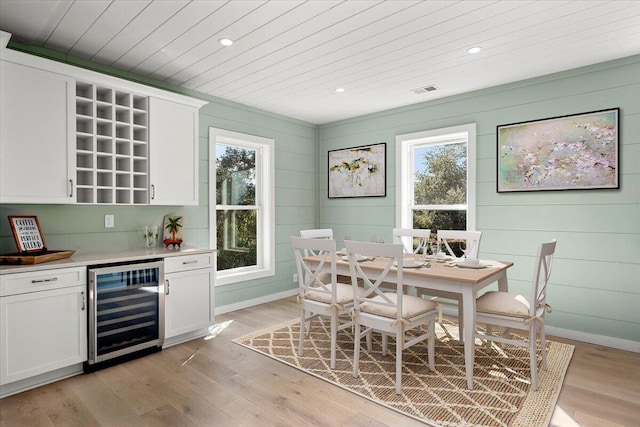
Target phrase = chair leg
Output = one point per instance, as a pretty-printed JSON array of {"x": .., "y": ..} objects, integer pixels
[
  {"x": 385, "y": 341},
  {"x": 489, "y": 332},
  {"x": 334, "y": 336},
  {"x": 460, "y": 321},
  {"x": 532, "y": 357},
  {"x": 399, "y": 345},
  {"x": 356, "y": 349},
  {"x": 543, "y": 347},
  {"x": 303, "y": 326},
  {"x": 431, "y": 345},
  {"x": 369, "y": 341}
]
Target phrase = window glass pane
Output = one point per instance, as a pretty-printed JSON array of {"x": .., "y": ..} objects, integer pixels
[
  {"x": 235, "y": 175},
  {"x": 440, "y": 220},
  {"x": 440, "y": 174},
  {"x": 237, "y": 242}
]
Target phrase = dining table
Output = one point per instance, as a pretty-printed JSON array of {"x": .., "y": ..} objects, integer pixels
[{"x": 445, "y": 276}]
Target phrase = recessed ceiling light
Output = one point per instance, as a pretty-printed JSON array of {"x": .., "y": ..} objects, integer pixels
[
  {"x": 226, "y": 42},
  {"x": 474, "y": 49},
  {"x": 339, "y": 89}
]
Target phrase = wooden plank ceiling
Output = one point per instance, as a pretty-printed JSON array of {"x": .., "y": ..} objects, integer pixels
[{"x": 288, "y": 57}]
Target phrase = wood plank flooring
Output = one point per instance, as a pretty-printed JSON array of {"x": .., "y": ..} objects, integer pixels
[{"x": 215, "y": 382}]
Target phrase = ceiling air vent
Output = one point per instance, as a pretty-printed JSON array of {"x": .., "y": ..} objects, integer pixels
[{"x": 424, "y": 89}]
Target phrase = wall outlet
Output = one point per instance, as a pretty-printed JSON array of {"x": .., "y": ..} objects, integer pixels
[
  {"x": 109, "y": 221},
  {"x": 295, "y": 277}
]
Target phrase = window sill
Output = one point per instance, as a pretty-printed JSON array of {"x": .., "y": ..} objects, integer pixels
[{"x": 242, "y": 276}]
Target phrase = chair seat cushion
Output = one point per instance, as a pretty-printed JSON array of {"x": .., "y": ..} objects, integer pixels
[
  {"x": 411, "y": 306},
  {"x": 344, "y": 294},
  {"x": 505, "y": 303}
]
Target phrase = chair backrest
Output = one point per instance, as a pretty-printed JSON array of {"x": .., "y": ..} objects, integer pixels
[
  {"x": 471, "y": 238},
  {"x": 316, "y": 233},
  {"x": 541, "y": 274},
  {"x": 413, "y": 240},
  {"x": 372, "y": 280},
  {"x": 310, "y": 275}
]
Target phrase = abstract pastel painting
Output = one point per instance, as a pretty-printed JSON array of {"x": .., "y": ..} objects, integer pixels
[
  {"x": 573, "y": 152},
  {"x": 358, "y": 171}
]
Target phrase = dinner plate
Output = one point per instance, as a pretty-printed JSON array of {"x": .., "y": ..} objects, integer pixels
[
  {"x": 464, "y": 265},
  {"x": 438, "y": 259},
  {"x": 413, "y": 263},
  {"x": 360, "y": 258}
]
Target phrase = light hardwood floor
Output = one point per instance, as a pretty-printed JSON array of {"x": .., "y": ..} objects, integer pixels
[{"x": 217, "y": 382}]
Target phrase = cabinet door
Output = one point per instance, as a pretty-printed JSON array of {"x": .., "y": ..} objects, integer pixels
[
  {"x": 41, "y": 332},
  {"x": 36, "y": 131},
  {"x": 188, "y": 302},
  {"x": 173, "y": 153}
]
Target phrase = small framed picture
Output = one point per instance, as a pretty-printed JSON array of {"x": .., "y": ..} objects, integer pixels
[{"x": 27, "y": 233}]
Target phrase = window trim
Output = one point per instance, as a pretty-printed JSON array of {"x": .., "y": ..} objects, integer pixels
[
  {"x": 405, "y": 170},
  {"x": 265, "y": 200}
]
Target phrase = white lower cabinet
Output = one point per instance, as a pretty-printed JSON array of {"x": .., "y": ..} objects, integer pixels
[
  {"x": 43, "y": 322},
  {"x": 189, "y": 301}
]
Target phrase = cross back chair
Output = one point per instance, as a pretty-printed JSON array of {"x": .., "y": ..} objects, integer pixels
[
  {"x": 472, "y": 247},
  {"x": 513, "y": 311},
  {"x": 407, "y": 237},
  {"x": 320, "y": 293},
  {"x": 322, "y": 233},
  {"x": 391, "y": 313}
]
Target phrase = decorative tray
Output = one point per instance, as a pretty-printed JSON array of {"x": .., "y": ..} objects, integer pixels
[{"x": 34, "y": 257}]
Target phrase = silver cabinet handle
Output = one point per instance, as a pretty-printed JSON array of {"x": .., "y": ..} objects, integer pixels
[
  {"x": 83, "y": 301},
  {"x": 53, "y": 279},
  {"x": 153, "y": 191},
  {"x": 167, "y": 292},
  {"x": 70, "y": 188},
  {"x": 190, "y": 262}
]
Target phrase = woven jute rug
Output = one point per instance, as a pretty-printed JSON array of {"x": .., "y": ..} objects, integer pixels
[{"x": 501, "y": 395}]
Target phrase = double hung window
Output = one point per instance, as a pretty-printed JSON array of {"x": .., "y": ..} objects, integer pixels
[
  {"x": 242, "y": 210},
  {"x": 435, "y": 179}
]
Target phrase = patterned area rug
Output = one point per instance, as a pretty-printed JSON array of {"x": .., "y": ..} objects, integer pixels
[{"x": 501, "y": 395}]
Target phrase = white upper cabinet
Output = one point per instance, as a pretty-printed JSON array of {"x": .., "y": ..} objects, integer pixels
[
  {"x": 173, "y": 132},
  {"x": 70, "y": 135},
  {"x": 37, "y": 125}
]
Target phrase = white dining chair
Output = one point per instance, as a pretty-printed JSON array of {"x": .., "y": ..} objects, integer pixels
[
  {"x": 512, "y": 311},
  {"x": 472, "y": 248},
  {"x": 320, "y": 294},
  {"x": 413, "y": 240},
  {"x": 391, "y": 313},
  {"x": 322, "y": 233}
]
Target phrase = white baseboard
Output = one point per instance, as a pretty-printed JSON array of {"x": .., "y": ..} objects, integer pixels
[
  {"x": 618, "y": 343},
  {"x": 595, "y": 339},
  {"x": 255, "y": 301}
]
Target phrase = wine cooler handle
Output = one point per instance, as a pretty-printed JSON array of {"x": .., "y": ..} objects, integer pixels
[
  {"x": 70, "y": 188},
  {"x": 153, "y": 192},
  {"x": 83, "y": 301},
  {"x": 167, "y": 282}
]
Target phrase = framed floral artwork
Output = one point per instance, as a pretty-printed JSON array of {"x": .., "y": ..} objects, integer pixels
[
  {"x": 358, "y": 171},
  {"x": 575, "y": 152}
]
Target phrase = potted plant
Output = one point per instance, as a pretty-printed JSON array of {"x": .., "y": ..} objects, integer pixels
[{"x": 173, "y": 224}]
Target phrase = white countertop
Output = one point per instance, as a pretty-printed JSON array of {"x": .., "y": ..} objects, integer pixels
[{"x": 92, "y": 258}]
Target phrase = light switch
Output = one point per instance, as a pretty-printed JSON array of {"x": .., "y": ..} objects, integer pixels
[{"x": 109, "y": 221}]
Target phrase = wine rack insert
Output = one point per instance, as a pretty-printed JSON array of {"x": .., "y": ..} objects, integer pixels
[{"x": 112, "y": 146}]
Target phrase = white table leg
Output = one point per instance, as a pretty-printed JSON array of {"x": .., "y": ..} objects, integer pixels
[
  {"x": 469, "y": 316},
  {"x": 503, "y": 284}
]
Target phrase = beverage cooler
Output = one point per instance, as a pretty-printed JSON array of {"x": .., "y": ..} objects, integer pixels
[{"x": 126, "y": 310}]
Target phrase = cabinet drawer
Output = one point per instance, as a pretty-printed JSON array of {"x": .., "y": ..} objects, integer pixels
[
  {"x": 34, "y": 281},
  {"x": 188, "y": 262}
]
